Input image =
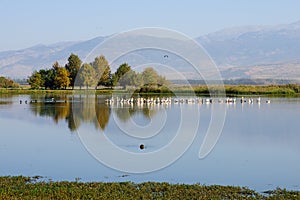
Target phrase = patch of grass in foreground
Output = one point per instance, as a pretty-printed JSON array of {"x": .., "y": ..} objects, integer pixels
[{"x": 32, "y": 188}]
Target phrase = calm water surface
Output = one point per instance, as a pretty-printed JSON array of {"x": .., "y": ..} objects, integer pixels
[{"x": 259, "y": 146}]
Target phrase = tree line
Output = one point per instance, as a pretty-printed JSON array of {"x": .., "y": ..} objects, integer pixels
[{"x": 96, "y": 73}]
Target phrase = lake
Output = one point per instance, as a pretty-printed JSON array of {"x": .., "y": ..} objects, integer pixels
[{"x": 86, "y": 137}]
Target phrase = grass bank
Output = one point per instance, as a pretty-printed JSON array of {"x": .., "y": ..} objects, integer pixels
[
  {"x": 32, "y": 188},
  {"x": 236, "y": 90},
  {"x": 291, "y": 90}
]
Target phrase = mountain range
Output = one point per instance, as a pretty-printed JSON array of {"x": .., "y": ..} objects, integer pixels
[{"x": 252, "y": 52}]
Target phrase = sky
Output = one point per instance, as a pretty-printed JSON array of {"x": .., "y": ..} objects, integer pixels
[{"x": 31, "y": 22}]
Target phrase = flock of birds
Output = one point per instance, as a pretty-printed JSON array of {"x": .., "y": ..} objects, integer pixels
[{"x": 170, "y": 100}]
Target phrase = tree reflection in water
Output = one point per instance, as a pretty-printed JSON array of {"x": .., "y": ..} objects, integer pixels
[
  {"x": 79, "y": 109},
  {"x": 74, "y": 109},
  {"x": 6, "y": 99},
  {"x": 125, "y": 112}
]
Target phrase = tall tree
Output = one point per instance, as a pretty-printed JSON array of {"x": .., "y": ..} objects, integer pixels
[
  {"x": 102, "y": 70},
  {"x": 48, "y": 77},
  {"x": 150, "y": 77},
  {"x": 56, "y": 66},
  {"x": 62, "y": 79},
  {"x": 139, "y": 80},
  {"x": 51, "y": 75},
  {"x": 36, "y": 80},
  {"x": 122, "y": 69},
  {"x": 86, "y": 76},
  {"x": 73, "y": 67},
  {"x": 128, "y": 79}
]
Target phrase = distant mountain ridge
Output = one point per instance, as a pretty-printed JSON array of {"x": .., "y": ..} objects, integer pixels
[
  {"x": 247, "y": 46},
  {"x": 21, "y": 63},
  {"x": 241, "y": 52}
]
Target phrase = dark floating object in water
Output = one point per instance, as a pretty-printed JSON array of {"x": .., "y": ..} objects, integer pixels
[
  {"x": 166, "y": 56},
  {"x": 142, "y": 146}
]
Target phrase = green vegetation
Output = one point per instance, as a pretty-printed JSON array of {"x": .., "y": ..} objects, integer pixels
[
  {"x": 121, "y": 71},
  {"x": 94, "y": 74},
  {"x": 86, "y": 76},
  {"x": 55, "y": 78},
  {"x": 33, "y": 188},
  {"x": 102, "y": 71},
  {"x": 267, "y": 90},
  {"x": 7, "y": 83},
  {"x": 73, "y": 66},
  {"x": 289, "y": 89}
]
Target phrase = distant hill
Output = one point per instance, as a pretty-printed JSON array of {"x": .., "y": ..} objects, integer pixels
[
  {"x": 254, "y": 45},
  {"x": 250, "y": 52},
  {"x": 20, "y": 63},
  {"x": 256, "y": 51}
]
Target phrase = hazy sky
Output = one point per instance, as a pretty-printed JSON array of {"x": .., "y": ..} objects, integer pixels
[{"x": 31, "y": 22}]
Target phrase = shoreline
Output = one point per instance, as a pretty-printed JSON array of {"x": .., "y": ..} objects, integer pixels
[{"x": 230, "y": 91}]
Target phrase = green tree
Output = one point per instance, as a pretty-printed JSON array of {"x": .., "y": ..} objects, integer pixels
[
  {"x": 56, "y": 66},
  {"x": 138, "y": 81},
  {"x": 48, "y": 77},
  {"x": 102, "y": 70},
  {"x": 73, "y": 67},
  {"x": 86, "y": 76},
  {"x": 150, "y": 77},
  {"x": 36, "y": 80},
  {"x": 128, "y": 79},
  {"x": 123, "y": 69},
  {"x": 62, "y": 79},
  {"x": 7, "y": 83},
  {"x": 162, "y": 81}
]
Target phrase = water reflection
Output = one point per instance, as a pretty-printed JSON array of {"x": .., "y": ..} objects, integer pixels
[
  {"x": 5, "y": 102},
  {"x": 5, "y": 99},
  {"x": 76, "y": 110},
  {"x": 259, "y": 144},
  {"x": 124, "y": 113}
]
